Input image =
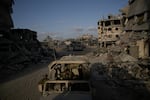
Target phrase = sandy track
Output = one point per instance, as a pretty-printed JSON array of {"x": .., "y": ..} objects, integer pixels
[{"x": 23, "y": 88}]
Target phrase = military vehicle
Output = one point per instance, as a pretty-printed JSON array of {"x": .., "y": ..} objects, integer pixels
[
  {"x": 75, "y": 46},
  {"x": 68, "y": 79}
]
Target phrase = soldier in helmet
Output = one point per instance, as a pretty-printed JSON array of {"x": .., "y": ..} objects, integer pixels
[{"x": 41, "y": 82}]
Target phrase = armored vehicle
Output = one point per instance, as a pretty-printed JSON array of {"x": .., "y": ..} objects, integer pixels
[
  {"x": 68, "y": 79},
  {"x": 75, "y": 46}
]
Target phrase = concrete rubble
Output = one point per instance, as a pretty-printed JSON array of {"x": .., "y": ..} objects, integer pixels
[
  {"x": 119, "y": 69},
  {"x": 126, "y": 61}
]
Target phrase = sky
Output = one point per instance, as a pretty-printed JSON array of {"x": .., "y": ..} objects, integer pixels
[{"x": 63, "y": 19}]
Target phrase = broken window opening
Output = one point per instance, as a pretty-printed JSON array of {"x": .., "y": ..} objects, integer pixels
[
  {"x": 148, "y": 16},
  {"x": 117, "y": 36},
  {"x": 140, "y": 19},
  {"x": 117, "y": 22},
  {"x": 107, "y": 23},
  {"x": 109, "y": 36},
  {"x": 116, "y": 29},
  {"x": 109, "y": 29}
]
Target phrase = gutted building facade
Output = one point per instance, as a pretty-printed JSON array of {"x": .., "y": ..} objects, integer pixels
[
  {"x": 137, "y": 28},
  {"x": 109, "y": 30}
]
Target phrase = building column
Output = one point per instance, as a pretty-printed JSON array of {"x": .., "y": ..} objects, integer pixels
[{"x": 140, "y": 44}]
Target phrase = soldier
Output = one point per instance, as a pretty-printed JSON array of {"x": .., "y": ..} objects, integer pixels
[
  {"x": 41, "y": 82},
  {"x": 58, "y": 72},
  {"x": 80, "y": 72},
  {"x": 45, "y": 78}
]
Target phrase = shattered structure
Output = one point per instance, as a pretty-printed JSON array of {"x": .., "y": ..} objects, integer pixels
[
  {"x": 137, "y": 28},
  {"x": 125, "y": 65},
  {"x": 109, "y": 30},
  {"x": 27, "y": 40},
  {"x": 18, "y": 47},
  {"x": 19, "y": 43}
]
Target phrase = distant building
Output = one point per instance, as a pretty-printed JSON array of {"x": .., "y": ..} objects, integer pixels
[
  {"x": 47, "y": 42},
  {"x": 86, "y": 36},
  {"x": 109, "y": 30},
  {"x": 88, "y": 39},
  {"x": 20, "y": 46},
  {"x": 26, "y": 38},
  {"x": 25, "y": 35}
]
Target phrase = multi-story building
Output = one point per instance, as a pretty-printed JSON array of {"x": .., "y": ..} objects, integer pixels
[
  {"x": 109, "y": 30},
  {"x": 137, "y": 27}
]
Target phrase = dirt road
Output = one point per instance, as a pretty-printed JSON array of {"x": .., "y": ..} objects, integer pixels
[{"x": 24, "y": 87}]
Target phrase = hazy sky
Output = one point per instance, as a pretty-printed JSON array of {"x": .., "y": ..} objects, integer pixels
[{"x": 63, "y": 18}]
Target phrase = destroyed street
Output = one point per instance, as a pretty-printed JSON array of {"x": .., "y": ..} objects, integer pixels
[{"x": 114, "y": 64}]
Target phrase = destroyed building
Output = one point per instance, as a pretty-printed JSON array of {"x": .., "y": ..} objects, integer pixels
[
  {"x": 25, "y": 37},
  {"x": 6, "y": 24},
  {"x": 109, "y": 30},
  {"x": 47, "y": 42},
  {"x": 5, "y": 14},
  {"x": 137, "y": 28},
  {"x": 27, "y": 40},
  {"x": 48, "y": 47},
  {"x": 124, "y": 67},
  {"x": 16, "y": 45},
  {"x": 21, "y": 45}
]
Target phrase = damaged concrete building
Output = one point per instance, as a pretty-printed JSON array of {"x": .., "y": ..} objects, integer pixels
[
  {"x": 109, "y": 30},
  {"x": 27, "y": 40},
  {"x": 18, "y": 47},
  {"x": 15, "y": 43},
  {"x": 5, "y": 14},
  {"x": 137, "y": 28},
  {"x": 23, "y": 43},
  {"x": 6, "y": 24}
]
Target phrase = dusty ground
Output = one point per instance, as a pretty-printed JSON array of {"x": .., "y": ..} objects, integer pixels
[
  {"x": 103, "y": 91},
  {"x": 23, "y": 87}
]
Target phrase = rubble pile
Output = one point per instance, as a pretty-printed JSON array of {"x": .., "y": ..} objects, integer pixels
[
  {"x": 105, "y": 58},
  {"x": 123, "y": 57},
  {"x": 127, "y": 71},
  {"x": 126, "y": 74},
  {"x": 120, "y": 69}
]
